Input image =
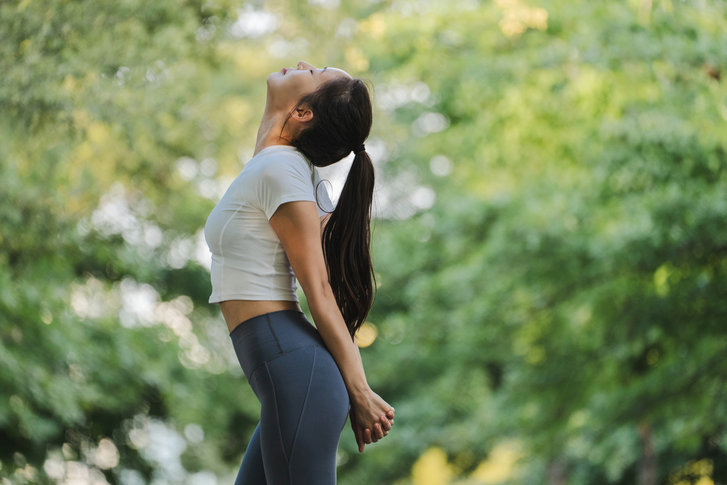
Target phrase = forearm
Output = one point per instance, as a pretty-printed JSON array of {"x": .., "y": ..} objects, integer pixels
[{"x": 333, "y": 330}]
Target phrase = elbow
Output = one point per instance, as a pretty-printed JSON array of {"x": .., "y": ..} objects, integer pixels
[{"x": 319, "y": 292}]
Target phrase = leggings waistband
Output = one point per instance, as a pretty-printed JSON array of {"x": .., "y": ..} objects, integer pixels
[{"x": 264, "y": 337}]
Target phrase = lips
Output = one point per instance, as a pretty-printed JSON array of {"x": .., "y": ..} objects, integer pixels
[{"x": 284, "y": 70}]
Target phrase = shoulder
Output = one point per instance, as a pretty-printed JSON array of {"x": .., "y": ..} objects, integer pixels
[
  {"x": 279, "y": 160},
  {"x": 284, "y": 175},
  {"x": 283, "y": 170}
]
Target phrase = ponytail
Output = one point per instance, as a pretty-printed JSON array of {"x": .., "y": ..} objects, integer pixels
[
  {"x": 346, "y": 244},
  {"x": 342, "y": 117}
]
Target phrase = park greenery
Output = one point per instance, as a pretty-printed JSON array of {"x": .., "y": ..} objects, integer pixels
[{"x": 550, "y": 237}]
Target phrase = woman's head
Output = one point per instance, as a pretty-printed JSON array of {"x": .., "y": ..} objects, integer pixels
[{"x": 287, "y": 86}]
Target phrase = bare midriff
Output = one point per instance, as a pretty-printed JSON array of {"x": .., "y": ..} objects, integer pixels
[{"x": 237, "y": 311}]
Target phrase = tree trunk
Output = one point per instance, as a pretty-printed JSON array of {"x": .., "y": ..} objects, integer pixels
[
  {"x": 556, "y": 472},
  {"x": 647, "y": 465}
]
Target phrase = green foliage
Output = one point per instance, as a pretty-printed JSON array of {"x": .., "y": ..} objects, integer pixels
[
  {"x": 583, "y": 280},
  {"x": 550, "y": 242}
]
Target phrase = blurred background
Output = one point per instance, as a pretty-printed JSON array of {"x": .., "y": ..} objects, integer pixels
[{"x": 550, "y": 236}]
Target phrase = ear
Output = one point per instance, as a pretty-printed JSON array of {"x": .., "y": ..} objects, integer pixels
[{"x": 302, "y": 114}]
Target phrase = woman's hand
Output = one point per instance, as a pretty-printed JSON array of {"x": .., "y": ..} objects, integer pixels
[{"x": 371, "y": 418}]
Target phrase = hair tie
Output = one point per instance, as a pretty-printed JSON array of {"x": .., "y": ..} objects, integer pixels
[{"x": 359, "y": 149}]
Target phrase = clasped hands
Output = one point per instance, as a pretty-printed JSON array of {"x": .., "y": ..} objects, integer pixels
[{"x": 371, "y": 418}]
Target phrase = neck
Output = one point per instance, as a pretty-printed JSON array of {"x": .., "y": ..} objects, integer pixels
[{"x": 272, "y": 130}]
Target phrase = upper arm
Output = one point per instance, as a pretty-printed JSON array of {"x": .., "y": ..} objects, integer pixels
[{"x": 298, "y": 227}]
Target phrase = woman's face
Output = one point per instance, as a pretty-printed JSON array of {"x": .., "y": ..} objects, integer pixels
[{"x": 287, "y": 86}]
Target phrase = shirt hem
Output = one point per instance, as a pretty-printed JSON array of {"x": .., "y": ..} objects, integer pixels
[{"x": 220, "y": 299}]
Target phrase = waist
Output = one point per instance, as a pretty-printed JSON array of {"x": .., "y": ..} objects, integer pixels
[
  {"x": 236, "y": 311},
  {"x": 264, "y": 337}
]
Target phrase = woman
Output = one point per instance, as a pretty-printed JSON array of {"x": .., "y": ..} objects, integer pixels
[{"x": 273, "y": 225}]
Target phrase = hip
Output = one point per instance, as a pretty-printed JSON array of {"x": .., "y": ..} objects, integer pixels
[{"x": 266, "y": 337}]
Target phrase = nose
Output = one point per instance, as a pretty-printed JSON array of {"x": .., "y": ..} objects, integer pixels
[{"x": 304, "y": 65}]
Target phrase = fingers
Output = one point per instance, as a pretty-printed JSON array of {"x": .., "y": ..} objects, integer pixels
[
  {"x": 366, "y": 431},
  {"x": 359, "y": 439},
  {"x": 357, "y": 434},
  {"x": 367, "y": 436},
  {"x": 377, "y": 432}
]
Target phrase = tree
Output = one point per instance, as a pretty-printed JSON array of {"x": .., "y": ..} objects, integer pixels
[{"x": 548, "y": 243}]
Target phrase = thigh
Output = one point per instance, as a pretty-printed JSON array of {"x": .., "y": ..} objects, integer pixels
[
  {"x": 252, "y": 471},
  {"x": 313, "y": 458},
  {"x": 304, "y": 408}
]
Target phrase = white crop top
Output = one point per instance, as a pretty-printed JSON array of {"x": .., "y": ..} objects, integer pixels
[{"x": 248, "y": 261}]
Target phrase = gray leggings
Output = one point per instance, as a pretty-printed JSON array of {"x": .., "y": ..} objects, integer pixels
[{"x": 304, "y": 402}]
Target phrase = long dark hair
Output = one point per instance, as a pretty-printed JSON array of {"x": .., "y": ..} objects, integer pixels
[{"x": 341, "y": 123}]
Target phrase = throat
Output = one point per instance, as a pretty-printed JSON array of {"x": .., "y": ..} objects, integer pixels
[{"x": 272, "y": 131}]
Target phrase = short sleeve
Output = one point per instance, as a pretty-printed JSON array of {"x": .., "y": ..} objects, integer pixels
[{"x": 287, "y": 177}]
